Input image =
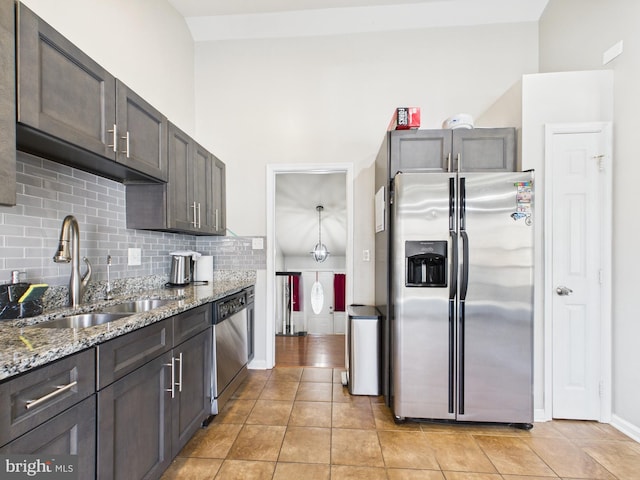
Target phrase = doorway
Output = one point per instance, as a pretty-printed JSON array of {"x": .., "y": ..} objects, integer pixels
[
  {"x": 578, "y": 270},
  {"x": 293, "y": 228}
]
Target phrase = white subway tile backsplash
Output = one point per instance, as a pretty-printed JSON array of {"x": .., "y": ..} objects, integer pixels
[{"x": 48, "y": 191}]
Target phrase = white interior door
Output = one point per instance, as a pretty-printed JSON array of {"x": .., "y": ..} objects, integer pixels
[
  {"x": 321, "y": 322},
  {"x": 578, "y": 237}
]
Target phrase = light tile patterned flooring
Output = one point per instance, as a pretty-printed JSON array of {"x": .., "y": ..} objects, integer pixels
[{"x": 294, "y": 423}]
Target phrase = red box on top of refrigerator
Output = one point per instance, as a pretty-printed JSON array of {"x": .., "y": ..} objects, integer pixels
[{"x": 405, "y": 118}]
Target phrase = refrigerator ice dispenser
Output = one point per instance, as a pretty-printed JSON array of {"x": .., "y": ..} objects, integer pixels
[{"x": 426, "y": 263}]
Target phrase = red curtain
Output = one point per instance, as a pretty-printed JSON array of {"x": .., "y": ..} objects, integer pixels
[
  {"x": 294, "y": 286},
  {"x": 339, "y": 280}
]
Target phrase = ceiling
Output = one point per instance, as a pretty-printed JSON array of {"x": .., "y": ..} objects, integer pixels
[
  {"x": 205, "y": 8},
  {"x": 296, "y": 218},
  {"x": 214, "y": 20}
]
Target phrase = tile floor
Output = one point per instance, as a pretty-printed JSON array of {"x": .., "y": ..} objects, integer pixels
[{"x": 300, "y": 423}]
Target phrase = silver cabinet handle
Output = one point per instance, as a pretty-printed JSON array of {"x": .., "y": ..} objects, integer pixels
[
  {"x": 217, "y": 222},
  {"x": 195, "y": 218},
  {"x": 458, "y": 162},
  {"x": 199, "y": 219},
  {"x": 563, "y": 291},
  {"x": 126, "y": 138},
  {"x": 59, "y": 389},
  {"x": 114, "y": 145},
  {"x": 449, "y": 166},
  {"x": 180, "y": 373},
  {"x": 173, "y": 377}
]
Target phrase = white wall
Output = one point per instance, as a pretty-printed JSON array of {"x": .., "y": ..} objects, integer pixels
[
  {"x": 331, "y": 264},
  {"x": 330, "y": 99},
  {"x": 571, "y": 41},
  {"x": 145, "y": 43},
  {"x": 569, "y": 97}
]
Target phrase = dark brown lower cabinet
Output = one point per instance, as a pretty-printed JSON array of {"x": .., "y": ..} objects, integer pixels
[
  {"x": 148, "y": 415},
  {"x": 134, "y": 423},
  {"x": 73, "y": 432},
  {"x": 192, "y": 400}
]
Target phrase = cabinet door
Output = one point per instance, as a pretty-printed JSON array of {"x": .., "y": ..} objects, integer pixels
[
  {"x": 134, "y": 423},
  {"x": 219, "y": 195},
  {"x": 142, "y": 133},
  {"x": 73, "y": 432},
  {"x": 210, "y": 192},
  {"x": 7, "y": 104},
  {"x": 180, "y": 200},
  {"x": 202, "y": 190},
  {"x": 33, "y": 398},
  {"x": 419, "y": 151},
  {"x": 192, "y": 402},
  {"x": 485, "y": 149},
  {"x": 61, "y": 91}
]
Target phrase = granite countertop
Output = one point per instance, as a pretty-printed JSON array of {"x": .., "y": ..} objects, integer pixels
[{"x": 23, "y": 346}]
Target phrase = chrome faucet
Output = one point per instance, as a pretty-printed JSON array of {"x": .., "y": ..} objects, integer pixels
[
  {"x": 107, "y": 293},
  {"x": 69, "y": 251}
]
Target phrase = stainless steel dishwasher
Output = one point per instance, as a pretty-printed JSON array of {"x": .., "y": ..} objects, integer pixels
[{"x": 230, "y": 347}]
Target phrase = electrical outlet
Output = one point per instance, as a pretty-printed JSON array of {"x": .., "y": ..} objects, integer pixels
[
  {"x": 257, "y": 243},
  {"x": 366, "y": 256},
  {"x": 135, "y": 257}
]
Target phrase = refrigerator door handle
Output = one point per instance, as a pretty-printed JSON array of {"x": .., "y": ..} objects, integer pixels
[
  {"x": 463, "y": 204},
  {"x": 452, "y": 355},
  {"x": 453, "y": 284},
  {"x": 452, "y": 204},
  {"x": 464, "y": 281},
  {"x": 461, "y": 360}
]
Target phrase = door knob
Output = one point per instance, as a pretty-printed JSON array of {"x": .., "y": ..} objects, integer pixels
[{"x": 563, "y": 291}]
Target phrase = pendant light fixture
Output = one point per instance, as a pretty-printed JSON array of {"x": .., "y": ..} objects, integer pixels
[{"x": 320, "y": 252}]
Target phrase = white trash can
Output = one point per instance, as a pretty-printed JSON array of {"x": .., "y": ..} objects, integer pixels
[{"x": 364, "y": 350}]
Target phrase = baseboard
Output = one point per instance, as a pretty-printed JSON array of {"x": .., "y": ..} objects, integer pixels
[
  {"x": 625, "y": 427},
  {"x": 257, "y": 365},
  {"x": 540, "y": 415}
]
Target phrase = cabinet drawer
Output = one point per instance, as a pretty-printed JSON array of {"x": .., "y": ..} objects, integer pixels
[
  {"x": 124, "y": 354},
  {"x": 73, "y": 432},
  {"x": 189, "y": 323},
  {"x": 37, "y": 396}
]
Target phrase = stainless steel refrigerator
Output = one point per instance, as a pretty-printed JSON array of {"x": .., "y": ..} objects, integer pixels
[{"x": 462, "y": 296}]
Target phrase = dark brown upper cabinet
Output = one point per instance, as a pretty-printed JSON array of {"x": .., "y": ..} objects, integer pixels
[
  {"x": 193, "y": 199},
  {"x": 72, "y": 110},
  {"x": 457, "y": 150},
  {"x": 7, "y": 104}
]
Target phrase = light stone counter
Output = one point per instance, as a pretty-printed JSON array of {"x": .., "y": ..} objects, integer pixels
[{"x": 23, "y": 346}]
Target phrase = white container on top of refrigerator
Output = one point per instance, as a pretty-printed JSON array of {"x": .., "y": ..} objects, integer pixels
[{"x": 462, "y": 297}]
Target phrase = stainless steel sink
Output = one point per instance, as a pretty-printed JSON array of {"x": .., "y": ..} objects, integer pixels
[
  {"x": 105, "y": 315},
  {"x": 137, "y": 306},
  {"x": 82, "y": 320}
]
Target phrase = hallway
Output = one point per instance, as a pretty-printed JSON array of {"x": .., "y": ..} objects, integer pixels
[
  {"x": 310, "y": 351},
  {"x": 301, "y": 423}
]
